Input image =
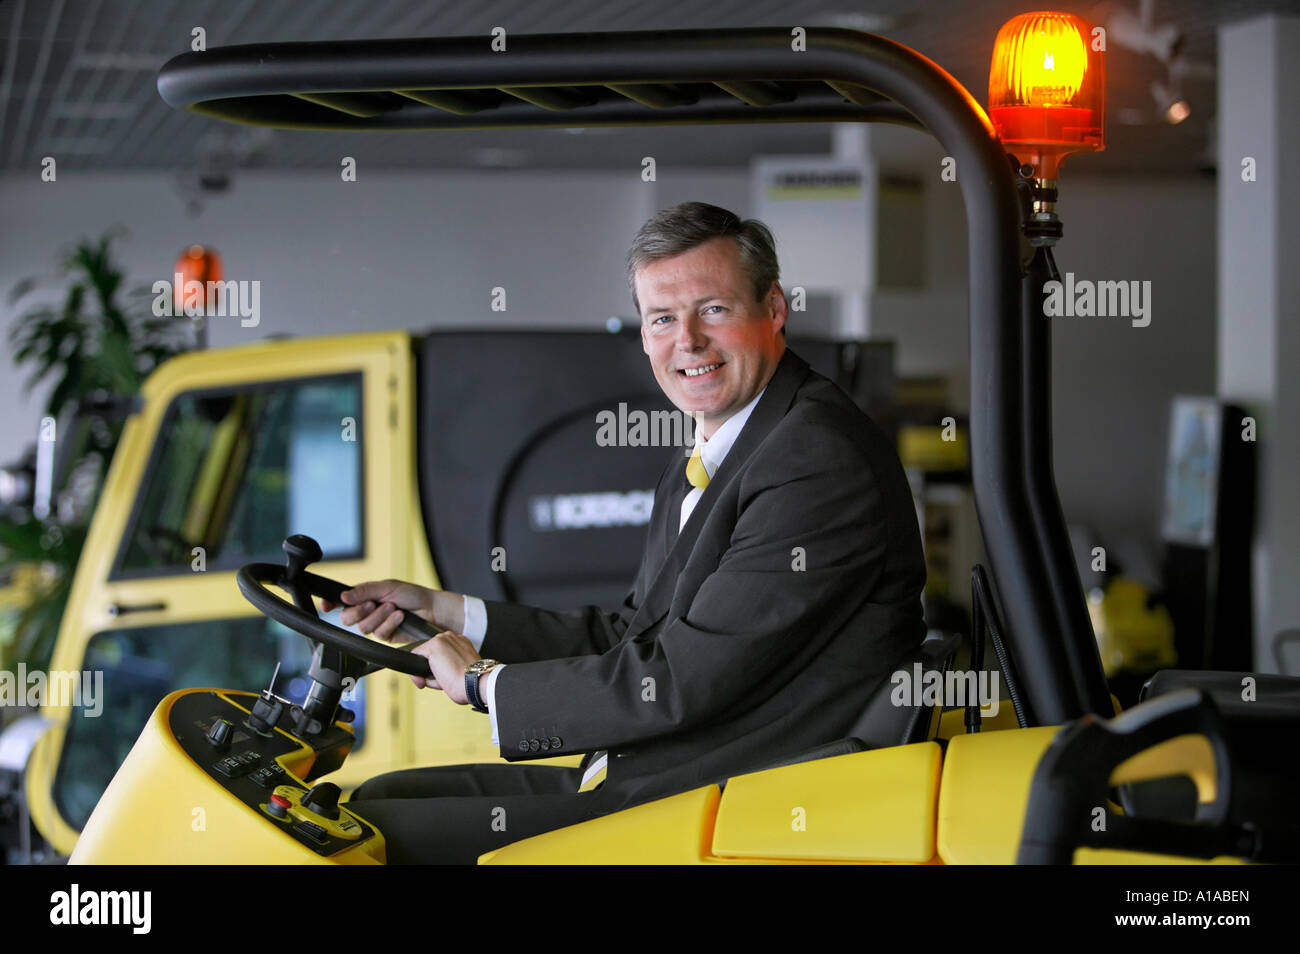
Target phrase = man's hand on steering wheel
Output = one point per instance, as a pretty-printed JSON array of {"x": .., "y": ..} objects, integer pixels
[
  {"x": 378, "y": 607},
  {"x": 449, "y": 655}
]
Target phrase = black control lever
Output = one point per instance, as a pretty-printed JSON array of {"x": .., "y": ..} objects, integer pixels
[
  {"x": 323, "y": 799},
  {"x": 265, "y": 714},
  {"x": 300, "y": 551}
]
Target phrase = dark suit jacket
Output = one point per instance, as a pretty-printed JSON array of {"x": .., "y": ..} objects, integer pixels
[{"x": 758, "y": 633}]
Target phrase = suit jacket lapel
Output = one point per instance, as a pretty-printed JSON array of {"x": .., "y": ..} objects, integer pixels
[{"x": 774, "y": 404}]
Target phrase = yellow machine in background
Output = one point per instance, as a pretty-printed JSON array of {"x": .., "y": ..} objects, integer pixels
[
  {"x": 1132, "y": 634},
  {"x": 152, "y": 612}
]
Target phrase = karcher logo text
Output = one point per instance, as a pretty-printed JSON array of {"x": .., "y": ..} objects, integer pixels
[
  {"x": 581, "y": 511},
  {"x": 102, "y": 907}
]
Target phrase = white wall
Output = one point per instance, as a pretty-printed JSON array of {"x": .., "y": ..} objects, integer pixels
[{"x": 387, "y": 251}]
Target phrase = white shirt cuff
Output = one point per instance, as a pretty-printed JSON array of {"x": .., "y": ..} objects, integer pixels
[
  {"x": 487, "y": 686},
  {"x": 475, "y": 621}
]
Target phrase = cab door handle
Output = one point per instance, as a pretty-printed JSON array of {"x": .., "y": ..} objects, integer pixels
[{"x": 122, "y": 609}]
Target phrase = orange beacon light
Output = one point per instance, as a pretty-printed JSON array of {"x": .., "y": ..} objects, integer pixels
[
  {"x": 1047, "y": 89},
  {"x": 199, "y": 264}
]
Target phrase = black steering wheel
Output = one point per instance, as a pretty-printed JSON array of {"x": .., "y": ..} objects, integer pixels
[{"x": 302, "y": 617}]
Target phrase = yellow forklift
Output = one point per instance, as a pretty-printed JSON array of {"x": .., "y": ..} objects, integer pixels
[{"x": 1064, "y": 778}]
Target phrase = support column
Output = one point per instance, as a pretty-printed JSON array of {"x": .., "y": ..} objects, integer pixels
[
  {"x": 1259, "y": 292},
  {"x": 852, "y": 141}
]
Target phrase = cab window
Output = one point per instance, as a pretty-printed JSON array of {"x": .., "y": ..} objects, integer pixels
[{"x": 236, "y": 471}]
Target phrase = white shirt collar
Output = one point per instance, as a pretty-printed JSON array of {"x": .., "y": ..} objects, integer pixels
[{"x": 715, "y": 448}]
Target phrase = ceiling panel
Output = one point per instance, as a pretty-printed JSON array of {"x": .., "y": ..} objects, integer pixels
[{"x": 77, "y": 81}]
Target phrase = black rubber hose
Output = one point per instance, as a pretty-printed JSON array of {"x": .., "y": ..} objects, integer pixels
[{"x": 979, "y": 583}]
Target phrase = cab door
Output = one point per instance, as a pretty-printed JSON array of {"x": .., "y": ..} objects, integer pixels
[{"x": 232, "y": 451}]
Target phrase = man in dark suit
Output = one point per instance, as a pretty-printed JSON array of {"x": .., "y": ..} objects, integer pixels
[{"x": 779, "y": 586}]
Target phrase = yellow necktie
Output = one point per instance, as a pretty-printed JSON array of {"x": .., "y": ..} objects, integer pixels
[{"x": 695, "y": 472}]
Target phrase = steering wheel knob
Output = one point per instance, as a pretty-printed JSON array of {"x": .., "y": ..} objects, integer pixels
[{"x": 300, "y": 551}]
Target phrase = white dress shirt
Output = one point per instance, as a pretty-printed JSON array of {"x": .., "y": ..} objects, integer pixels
[{"x": 712, "y": 452}]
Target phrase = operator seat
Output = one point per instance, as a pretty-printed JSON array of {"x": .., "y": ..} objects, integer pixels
[{"x": 883, "y": 724}]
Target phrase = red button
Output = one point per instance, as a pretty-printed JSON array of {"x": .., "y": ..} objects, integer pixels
[{"x": 281, "y": 801}]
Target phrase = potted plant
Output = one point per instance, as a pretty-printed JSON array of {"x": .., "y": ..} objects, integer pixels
[{"x": 95, "y": 348}]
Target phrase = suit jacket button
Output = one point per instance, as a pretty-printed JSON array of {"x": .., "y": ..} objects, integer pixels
[
  {"x": 546, "y": 744},
  {"x": 523, "y": 746},
  {"x": 555, "y": 742},
  {"x": 534, "y": 744}
]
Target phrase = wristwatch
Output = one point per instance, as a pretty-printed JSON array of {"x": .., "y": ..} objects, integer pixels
[{"x": 477, "y": 669}]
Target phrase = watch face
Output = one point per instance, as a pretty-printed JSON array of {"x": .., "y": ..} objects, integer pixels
[{"x": 482, "y": 665}]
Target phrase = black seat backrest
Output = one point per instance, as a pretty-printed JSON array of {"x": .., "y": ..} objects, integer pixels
[
  {"x": 883, "y": 723},
  {"x": 509, "y": 459}
]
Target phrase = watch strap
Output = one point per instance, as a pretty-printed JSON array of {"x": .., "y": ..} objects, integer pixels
[{"x": 476, "y": 701}]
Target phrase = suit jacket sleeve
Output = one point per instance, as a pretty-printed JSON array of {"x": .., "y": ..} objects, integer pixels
[
  {"x": 521, "y": 634},
  {"x": 807, "y": 547}
]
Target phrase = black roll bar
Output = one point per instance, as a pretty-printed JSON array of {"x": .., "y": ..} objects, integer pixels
[{"x": 743, "y": 75}]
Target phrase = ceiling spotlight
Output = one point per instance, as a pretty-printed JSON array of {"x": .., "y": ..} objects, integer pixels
[{"x": 1170, "y": 103}]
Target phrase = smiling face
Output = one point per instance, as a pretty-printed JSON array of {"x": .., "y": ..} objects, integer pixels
[{"x": 712, "y": 346}]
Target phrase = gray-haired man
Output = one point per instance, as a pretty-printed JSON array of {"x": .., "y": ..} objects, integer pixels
[{"x": 779, "y": 584}]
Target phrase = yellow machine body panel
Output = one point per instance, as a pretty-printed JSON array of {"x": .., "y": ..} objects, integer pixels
[
  {"x": 163, "y": 808},
  {"x": 877, "y": 805},
  {"x": 671, "y": 831},
  {"x": 983, "y": 794}
]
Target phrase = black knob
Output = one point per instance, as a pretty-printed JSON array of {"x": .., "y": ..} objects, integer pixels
[
  {"x": 301, "y": 551},
  {"x": 323, "y": 799},
  {"x": 219, "y": 733},
  {"x": 265, "y": 714}
]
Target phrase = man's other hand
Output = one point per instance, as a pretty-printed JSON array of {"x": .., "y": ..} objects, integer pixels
[
  {"x": 378, "y": 607},
  {"x": 449, "y": 655}
]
